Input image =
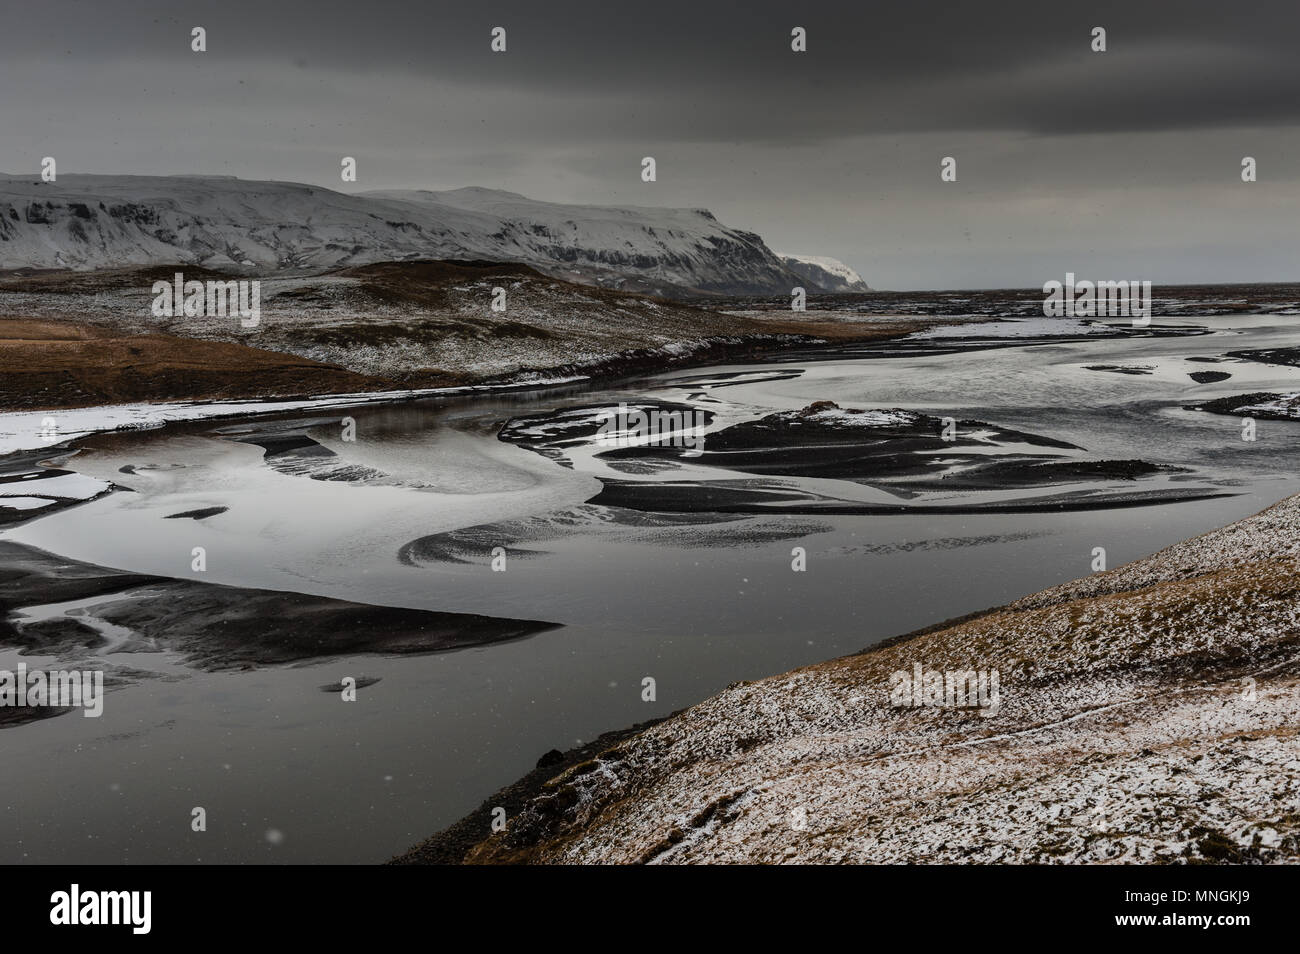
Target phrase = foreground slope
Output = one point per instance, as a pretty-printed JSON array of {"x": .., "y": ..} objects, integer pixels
[{"x": 1147, "y": 714}]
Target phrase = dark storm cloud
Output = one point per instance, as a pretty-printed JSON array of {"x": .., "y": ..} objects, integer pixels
[
  {"x": 724, "y": 70},
  {"x": 1119, "y": 164}
]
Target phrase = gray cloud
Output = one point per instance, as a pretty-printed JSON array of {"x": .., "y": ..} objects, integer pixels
[{"x": 830, "y": 152}]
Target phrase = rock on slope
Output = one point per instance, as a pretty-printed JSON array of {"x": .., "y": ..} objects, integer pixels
[
  {"x": 1147, "y": 714},
  {"x": 87, "y": 221}
]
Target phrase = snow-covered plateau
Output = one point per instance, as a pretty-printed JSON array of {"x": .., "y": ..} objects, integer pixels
[{"x": 97, "y": 221}]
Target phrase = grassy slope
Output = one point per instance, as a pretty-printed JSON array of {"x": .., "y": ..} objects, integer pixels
[
  {"x": 47, "y": 364},
  {"x": 374, "y": 327},
  {"x": 1149, "y": 714}
]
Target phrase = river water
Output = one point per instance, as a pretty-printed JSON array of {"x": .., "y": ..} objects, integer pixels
[{"x": 288, "y": 773}]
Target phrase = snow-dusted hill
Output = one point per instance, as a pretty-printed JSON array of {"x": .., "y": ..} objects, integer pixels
[
  {"x": 1143, "y": 715},
  {"x": 828, "y": 274},
  {"x": 86, "y": 221},
  {"x": 635, "y": 248}
]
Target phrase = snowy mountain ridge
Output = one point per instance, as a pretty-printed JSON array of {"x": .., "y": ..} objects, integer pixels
[
  {"x": 93, "y": 221},
  {"x": 822, "y": 271}
]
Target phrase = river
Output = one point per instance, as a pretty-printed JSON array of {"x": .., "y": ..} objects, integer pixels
[{"x": 287, "y": 772}]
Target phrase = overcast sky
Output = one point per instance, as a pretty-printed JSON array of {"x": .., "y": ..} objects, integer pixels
[{"x": 1123, "y": 164}]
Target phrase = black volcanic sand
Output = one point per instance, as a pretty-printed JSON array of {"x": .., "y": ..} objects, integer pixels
[
  {"x": 1285, "y": 356},
  {"x": 724, "y": 379},
  {"x": 30, "y": 577},
  {"x": 904, "y": 456},
  {"x": 1118, "y": 368},
  {"x": 735, "y": 498},
  {"x": 1232, "y": 406},
  {"x": 707, "y": 530},
  {"x": 362, "y": 682},
  {"x": 223, "y": 627},
  {"x": 467, "y": 546},
  {"x": 784, "y": 443},
  {"x": 1208, "y": 377},
  {"x": 12, "y": 716},
  {"x": 201, "y": 514},
  {"x": 289, "y": 450},
  {"x": 24, "y": 468},
  {"x": 582, "y": 423}
]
